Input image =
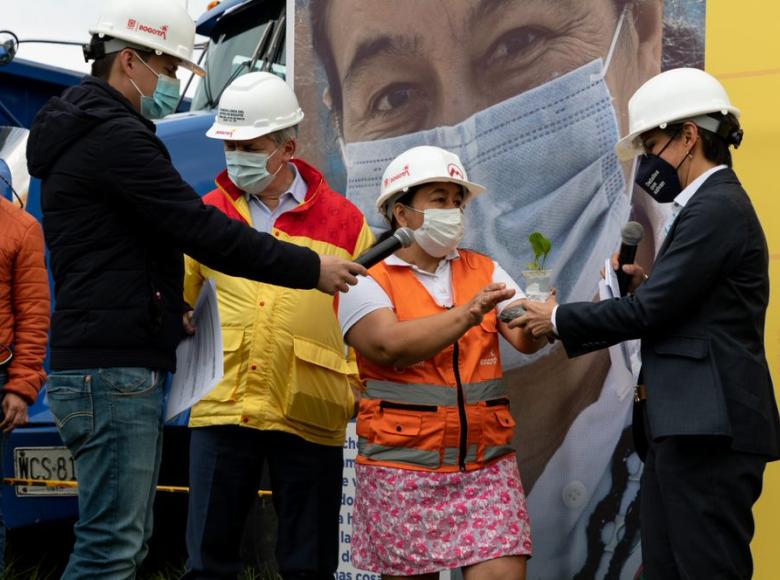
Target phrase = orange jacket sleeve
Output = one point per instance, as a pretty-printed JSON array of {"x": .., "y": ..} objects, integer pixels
[{"x": 31, "y": 305}]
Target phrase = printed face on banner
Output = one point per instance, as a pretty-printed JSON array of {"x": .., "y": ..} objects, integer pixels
[
  {"x": 399, "y": 71},
  {"x": 410, "y": 66},
  {"x": 532, "y": 96}
]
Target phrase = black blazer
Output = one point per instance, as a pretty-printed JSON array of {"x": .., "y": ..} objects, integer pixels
[{"x": 701, "y": 320}]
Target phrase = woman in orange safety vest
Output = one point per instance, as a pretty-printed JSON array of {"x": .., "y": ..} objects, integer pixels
[{"x": 437, "y": 480}]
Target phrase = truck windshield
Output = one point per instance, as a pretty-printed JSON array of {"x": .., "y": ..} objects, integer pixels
[{"x": 229, "y": 57}]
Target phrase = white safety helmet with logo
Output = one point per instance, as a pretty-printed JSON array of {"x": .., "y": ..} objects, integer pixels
[
  {"x": 255, "y": 104},
  {"x": 419, "y": 165},
  {"x": 682, "y": 94},
  {"x": 162, "y": 26}
]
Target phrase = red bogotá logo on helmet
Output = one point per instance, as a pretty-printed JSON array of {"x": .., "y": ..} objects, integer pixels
[
  {"x": 162, "y": 32},
  {"x": 455, "y": 171},
  {"x": 403, "y": 173},
  {"x": 132, "y": 23}
]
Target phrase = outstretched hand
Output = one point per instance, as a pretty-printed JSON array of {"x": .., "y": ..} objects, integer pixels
[
  {"x": 486, "y": 300},
  {"x": 337, "y": 274},
  {"x": 538, "y": 317}
]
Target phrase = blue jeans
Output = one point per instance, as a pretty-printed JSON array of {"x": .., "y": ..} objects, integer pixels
[{"x": 111, "y": 420}]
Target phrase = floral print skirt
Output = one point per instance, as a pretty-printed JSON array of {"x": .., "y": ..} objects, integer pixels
[{"x": 416, "y": 522}]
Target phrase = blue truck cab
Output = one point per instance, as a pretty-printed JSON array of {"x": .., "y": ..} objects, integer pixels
[{"x": 243, "y": 36}]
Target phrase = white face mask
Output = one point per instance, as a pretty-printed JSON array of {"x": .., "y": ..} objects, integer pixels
[{"x": 441, "y": 231}]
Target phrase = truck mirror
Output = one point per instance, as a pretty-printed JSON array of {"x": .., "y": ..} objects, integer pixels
[{"x": 8, "y": 46}]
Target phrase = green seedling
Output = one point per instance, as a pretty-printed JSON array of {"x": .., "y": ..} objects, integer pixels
[{"x": 541, "y": 247}]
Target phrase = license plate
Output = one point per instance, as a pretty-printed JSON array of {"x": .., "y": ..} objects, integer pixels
[{"x": 44, "y": 463}]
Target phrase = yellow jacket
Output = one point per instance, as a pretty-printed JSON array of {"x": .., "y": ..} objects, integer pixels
[{"x": 286, "y": 367}]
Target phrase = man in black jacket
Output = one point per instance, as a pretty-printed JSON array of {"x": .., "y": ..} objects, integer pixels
[
  {"x": 117, "y": 217},
  {"x": 710, "y": 417}
]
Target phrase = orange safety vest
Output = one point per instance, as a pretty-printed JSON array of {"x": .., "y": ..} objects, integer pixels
[{"x": 447, "y": 413}]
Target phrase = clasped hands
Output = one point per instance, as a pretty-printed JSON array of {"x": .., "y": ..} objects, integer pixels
[{"x": 538, "y": 318}]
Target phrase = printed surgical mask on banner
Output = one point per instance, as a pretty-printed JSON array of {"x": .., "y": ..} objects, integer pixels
[{"x": 547, "y": 159}]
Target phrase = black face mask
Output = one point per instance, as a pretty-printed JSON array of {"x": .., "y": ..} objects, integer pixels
[{"x": 658, "y": 177}]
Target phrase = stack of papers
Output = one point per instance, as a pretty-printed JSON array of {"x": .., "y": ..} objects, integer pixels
[{"x": 199, "y": 358}]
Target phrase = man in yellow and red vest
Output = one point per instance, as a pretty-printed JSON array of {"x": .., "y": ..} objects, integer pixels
[{"x": 286, "y": 395}]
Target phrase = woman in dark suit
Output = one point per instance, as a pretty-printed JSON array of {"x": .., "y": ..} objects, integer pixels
[{"x": 710, "y": 418}]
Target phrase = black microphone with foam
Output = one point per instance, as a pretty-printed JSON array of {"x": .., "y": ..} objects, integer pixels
[
  {"x": 632, "y": 234},
  {"x": 401, "y": 238}
]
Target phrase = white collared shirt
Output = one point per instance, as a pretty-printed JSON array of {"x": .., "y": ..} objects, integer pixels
[
  {"x": 368, "y": 295},
  {"x": 263, "y": 217},
  {"x": 686, "y": 194}
]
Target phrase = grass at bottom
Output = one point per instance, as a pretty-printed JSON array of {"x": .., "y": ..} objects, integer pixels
[
  {"x": 19, "y": 571},
  {"x": 175, "y": 572}
]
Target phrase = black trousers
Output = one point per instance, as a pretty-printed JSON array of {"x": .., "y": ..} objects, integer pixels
[
  {"x": 225, "y": 470},
  {"x": 696, "y": 505}
]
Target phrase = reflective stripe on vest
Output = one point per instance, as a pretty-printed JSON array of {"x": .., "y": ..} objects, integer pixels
[
  {"x": 433, "y": 396},
  {"x": 423, "y": 458},
  {"x": 436, "y": 395},
  {"x": 498, "y": 451},
  {"x": 417, "y": 457}
]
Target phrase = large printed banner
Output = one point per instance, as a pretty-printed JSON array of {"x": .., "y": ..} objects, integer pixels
[{"x": 532, "y": 96}]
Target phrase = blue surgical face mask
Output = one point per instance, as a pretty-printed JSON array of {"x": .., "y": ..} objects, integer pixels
[
  {"x": 249, "y": 171},
  {"x": 165, "y": 97},
  {"x": 547, "y": 159}
]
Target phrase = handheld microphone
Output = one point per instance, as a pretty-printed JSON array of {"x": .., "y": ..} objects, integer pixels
[
  {"x": 632, "y": 234},
  {"x": 401, "y": 238}
]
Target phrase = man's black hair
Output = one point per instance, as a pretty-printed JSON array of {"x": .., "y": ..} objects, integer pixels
[{"x": 102, "y": 63}]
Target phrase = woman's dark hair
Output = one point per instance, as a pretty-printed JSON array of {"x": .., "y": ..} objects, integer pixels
[
  {"x": 404, "y": 199},
  {"x": 715, "y": 146}
]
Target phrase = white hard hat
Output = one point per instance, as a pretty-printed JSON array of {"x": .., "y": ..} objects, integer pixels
[
  {"x": 418, "y": 165},
  {"x": 254, "y": 105},
  {"x": 163, "y": 26},
  {"x": 679, "y": 94}
]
